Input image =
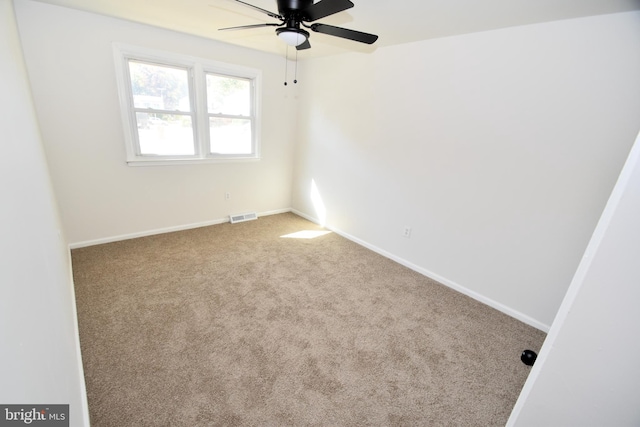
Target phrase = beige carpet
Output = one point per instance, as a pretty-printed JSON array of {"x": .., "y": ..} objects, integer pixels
[{"x": 235, "y": 325}]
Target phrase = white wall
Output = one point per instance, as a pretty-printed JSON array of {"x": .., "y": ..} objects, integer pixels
[
  {"x": 587, "y": 373},
  {"x": 70, "y": 63},
  {"x": 498, "y": 148},
  {"x": 39, "y": 356}
]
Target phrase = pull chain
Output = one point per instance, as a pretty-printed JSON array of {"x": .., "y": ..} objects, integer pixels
[
  {"x": 286, "y": 58},
  {"x": 295, "y": 75},
  {"x": 286, "y": 67}
]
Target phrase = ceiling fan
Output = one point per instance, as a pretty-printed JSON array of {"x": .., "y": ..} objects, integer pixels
[{"x": 296, "y": 13}]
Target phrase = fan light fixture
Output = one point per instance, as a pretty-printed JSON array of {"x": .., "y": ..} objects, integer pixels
[
  {"x": 294, "y": 13},
  {"x": 292, "y": 36}
]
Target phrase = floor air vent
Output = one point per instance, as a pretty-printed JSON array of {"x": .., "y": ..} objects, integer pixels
[{"x": 243, "y": 217}]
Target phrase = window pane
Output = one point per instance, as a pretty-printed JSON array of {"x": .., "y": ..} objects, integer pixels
[
  {"x": 165, "y": 134},
  {"x": 159, "y": 87},
  {"x": 230, "y": 136},
  {"x": 226, "y": 95}
]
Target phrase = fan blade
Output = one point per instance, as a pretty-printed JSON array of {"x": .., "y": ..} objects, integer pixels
[
  {"x": 244, "y": 27},
  {"x": 305, "y": 45},
  {"x": 271, "y": 14},
  {"x": 344, "y": 33},
  {"x": 325, "y": 8}
]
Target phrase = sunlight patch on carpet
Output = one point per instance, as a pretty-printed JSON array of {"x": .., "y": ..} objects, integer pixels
[{"x": 306, "y": 234}]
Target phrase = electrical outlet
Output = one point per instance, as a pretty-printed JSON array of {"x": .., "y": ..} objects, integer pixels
[
  {"x": 407, "y": 232},
  {"x": 227, "y": 195}
]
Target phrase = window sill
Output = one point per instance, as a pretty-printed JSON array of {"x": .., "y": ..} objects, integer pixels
[{"x": 177, "y": 162}]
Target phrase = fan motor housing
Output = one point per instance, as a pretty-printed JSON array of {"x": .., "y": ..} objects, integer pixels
[{"x": 286, "y": 6}]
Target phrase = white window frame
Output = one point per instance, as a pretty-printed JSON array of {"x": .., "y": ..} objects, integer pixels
[{"x": 197, "y": 69}]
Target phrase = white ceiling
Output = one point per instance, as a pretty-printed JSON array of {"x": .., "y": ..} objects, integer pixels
[{"x": 394, "y": 21}]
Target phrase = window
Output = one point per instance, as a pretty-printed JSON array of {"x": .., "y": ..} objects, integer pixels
[
  {"x": 229, "y": 111},
  {"x": 162, "y": 108},
  {"x": 179, "y": 109}
]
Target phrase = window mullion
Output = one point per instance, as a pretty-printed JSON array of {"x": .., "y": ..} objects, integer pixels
[{"x": 200, "y": 100}]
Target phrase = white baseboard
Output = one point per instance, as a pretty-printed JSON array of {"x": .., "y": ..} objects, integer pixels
[
  {"x": 145, "y": 233},
  {"x": 449, "y": 283}
]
